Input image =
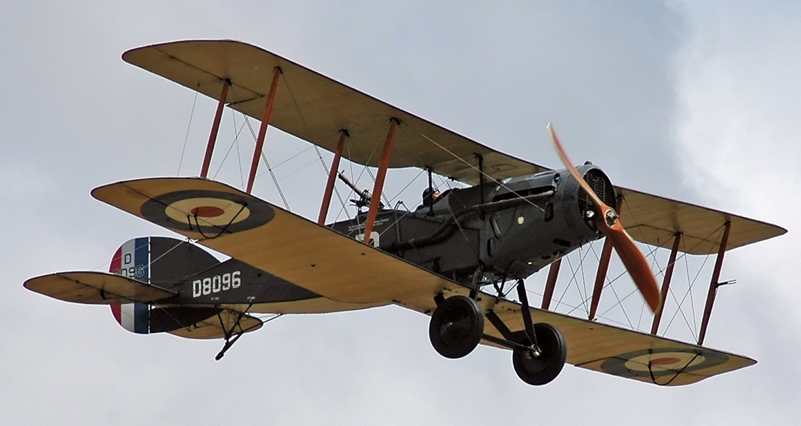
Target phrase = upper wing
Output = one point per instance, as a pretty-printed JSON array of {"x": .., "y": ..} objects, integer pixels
[
  {"x": 97, "y": 288},
  {"x": 654, "y": 220},
  {"x": 315, "y": 108}
]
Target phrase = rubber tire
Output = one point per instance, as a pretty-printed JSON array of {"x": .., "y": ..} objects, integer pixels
[
  {"x": 456, "y": 327},
  {"x": 543, "y": 369}
]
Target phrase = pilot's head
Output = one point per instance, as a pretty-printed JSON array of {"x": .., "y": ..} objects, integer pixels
[{"x": 430, "y": 196}]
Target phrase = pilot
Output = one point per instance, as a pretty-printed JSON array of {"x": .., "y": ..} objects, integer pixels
[{"x": 430, "y": 196}]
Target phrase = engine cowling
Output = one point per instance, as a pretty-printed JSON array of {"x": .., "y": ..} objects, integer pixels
[{"x": 520, "y": 241}]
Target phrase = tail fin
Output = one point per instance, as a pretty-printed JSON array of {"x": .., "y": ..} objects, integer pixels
[{"x": 159, "y": 261}]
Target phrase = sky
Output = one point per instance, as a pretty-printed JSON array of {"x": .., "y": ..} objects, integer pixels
[{"x": 698, "y": 102}]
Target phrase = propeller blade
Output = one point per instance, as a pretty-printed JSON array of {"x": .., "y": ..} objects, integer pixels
[
  {"x": 636, "y": 264},
  {"x": 608, "y": 222},
  {"x": 573, "y": 172}
]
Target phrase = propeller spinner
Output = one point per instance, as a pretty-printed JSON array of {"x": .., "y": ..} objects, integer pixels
[{"x": 608, "y": 221}]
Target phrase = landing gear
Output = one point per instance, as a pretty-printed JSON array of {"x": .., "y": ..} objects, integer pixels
[
  {"x": 539, "y": 350},
  {"x": 539, "y": 369},
  {"x": 456, "y": 327}
]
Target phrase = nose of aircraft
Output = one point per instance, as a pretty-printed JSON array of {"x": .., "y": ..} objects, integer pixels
[{"x": 608, "y": 221}]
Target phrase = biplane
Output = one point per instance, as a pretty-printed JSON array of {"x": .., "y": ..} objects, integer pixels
[{"x": 456, "y": 258}]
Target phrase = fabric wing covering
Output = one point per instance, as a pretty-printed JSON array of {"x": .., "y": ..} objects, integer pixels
[
  {"x": 342, "y": 269},
  {"x": 316, "y": 108}
]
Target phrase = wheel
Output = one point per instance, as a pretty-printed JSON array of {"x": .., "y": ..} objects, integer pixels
[
  {"x": 456, "y": 327},
  {"x": 542, "y": 369}
]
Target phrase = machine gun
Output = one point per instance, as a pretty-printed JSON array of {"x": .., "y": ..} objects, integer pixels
[{"x": 364, "y": 195}]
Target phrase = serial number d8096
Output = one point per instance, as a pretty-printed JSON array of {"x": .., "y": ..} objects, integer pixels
[{"x": 216, "y": 284}]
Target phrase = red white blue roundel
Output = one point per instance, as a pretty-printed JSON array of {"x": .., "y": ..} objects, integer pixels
[
  {"x": 662, "y": 362},
  {"x": 209, "y": 213}
]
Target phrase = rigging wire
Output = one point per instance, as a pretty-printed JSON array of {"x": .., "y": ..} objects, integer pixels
[
  {"x": 356, "y": 181},
  {"x": 693, "y": 328},
  {"x": 230, "y": 147},
  {"x": 609, "y": 283},
  {"x": 407, "y": 186},
  {"x": 326, "y": 171},
  {"x": 574, "y": 279},
  {"x": 264, "y": 159},
  {"x": 568, "y": 305},
  {"x": 239, "y": 154},
  {"x": 584, "y": 282},
  {"x": 286, "y": 161},
  {"x": 620, "y": 304},
  {"x": 296, "y": 170},
  {"x": 188, "y": 126},
  {"x": 396, "y": 221},
  {"x": 660, "y": 270},
  {"x": 306, "y": 126},
  {"x": 386, "y": 200},
  {"x": 481, "y": 172},
  {"x": 690, "y": 324}
]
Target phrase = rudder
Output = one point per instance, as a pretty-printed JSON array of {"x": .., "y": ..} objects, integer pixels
[{"x": 159, "y": 261}]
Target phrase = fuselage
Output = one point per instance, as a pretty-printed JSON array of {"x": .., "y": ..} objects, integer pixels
[{"x": 510, "y": 229}]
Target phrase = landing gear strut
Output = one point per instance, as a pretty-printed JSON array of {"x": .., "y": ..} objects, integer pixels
[{"x": 456, "y": 327}]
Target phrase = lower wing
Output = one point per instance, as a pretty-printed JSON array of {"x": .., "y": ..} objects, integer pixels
[{"x": 345, "y": 270}]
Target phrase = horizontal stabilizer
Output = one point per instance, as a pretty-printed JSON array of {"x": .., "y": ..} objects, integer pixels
[
  {"x": 217, "y": 326},
  {"x": 95, "y": 288}
]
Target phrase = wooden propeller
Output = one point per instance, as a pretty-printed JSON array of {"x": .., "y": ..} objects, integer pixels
[{"x": 608, "y": 222}]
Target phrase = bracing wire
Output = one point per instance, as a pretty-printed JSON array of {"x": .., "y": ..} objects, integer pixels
[
  {"x": 188, "y": 126},
  {"x": 269, "y": 169},
  {"x": 407, "y": 186},
  {"x": 483, "y": 173},
  {"x": 230, "y": 147},
  {"x": 306, "y": 126}
]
